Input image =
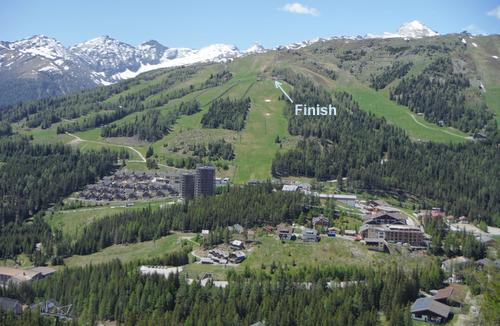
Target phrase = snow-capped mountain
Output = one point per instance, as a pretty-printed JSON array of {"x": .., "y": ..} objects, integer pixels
[
  {"x": 255, "y": 48},
  {"x": 41, "y": 66},
  {"x": 413, "y": 29},
  {"x": 46, "y": 67}
]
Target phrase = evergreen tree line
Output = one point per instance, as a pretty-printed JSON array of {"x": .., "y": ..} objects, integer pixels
[
  {"x": 117, "y": 292},
  {"x": 32, "y": 177},
  {"x": 248, "y": 206},
  {"x": 444, "y": 97},
  {"x": 397, "y": 70},
  {"x": 152, "y": 125},
  {"x": 215, "y": 150},
  {"x": 227, "y": 113},
  {"x": 461, "y": 178}
]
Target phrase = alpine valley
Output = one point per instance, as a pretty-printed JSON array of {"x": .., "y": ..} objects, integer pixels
[{"x": 152, "y": 185}]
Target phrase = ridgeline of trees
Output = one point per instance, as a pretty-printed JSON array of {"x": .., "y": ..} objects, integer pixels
[
  {"x": 462, "y": 178},
  {"x": 153, "y": 124},
  {"x": 445, "y": 97},
  {"x": 397, "y": 70},
  {"x": 34, "y": 176},
  {"x": 227, "y": 113}
]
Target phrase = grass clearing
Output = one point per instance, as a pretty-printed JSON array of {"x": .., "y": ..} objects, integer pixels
[
  {"x": 127, "y": 253},
  {"x": 296, "y": 254},
  {"x": 255, "y": 148},
  {"x": 378, "y": 103},
  {"x": 73, "y": 220}
]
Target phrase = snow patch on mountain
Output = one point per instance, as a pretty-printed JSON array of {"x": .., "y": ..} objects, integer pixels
[
  {"x": 413, "y": 29},
  {"x": 255, "y": 48},
  {"x": 184, "y": 56},
  {"x": 40, "y": 45}
]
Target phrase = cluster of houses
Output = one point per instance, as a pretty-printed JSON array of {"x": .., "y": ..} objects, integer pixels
[
  {"x": 132, "y": 185},
  {"x": 233, "y": 255},
  {"x": 438, "y": 308},
  {"x": 287, "y": 232},
  {"x": 14, "y": 276},
  {"x": 384, "y": 224},
  {"x": 457, "y": 224}
]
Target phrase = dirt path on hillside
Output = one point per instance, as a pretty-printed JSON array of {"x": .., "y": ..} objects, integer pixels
[
  {"x": 78, "y": 140},
  {"x": 427, "y": 127}
]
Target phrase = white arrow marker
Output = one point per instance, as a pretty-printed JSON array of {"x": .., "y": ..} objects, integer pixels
[{"x": 278, "y": 84}]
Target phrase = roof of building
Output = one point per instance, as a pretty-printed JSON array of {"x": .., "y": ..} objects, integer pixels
[
  {"x": 290, "y": 188},
  {"x": 444, "y": 293},
  {"x": 8, "y": 304},
  {"x": 372, "y": 217},
  {"x": 403, "y": 227},
  {"x": 432, "y": 305},
  {"x": 237, "y": 243},
  {"x": 160, "y": 270},
  {"x": 378, "y": 202},
  {"x": 390, "y": 227},
  {"x": 284, "y": 228},
  {"x": 345, "y": 197},
  {"x": 310, "y": 231},
  {"x": 44, "y": 270},
  {"x": 320, "y": 218},
  {"x": 239, "y": 254},
  {"x": 18, "y": 273},
  {"x": 9, "y": 271}
]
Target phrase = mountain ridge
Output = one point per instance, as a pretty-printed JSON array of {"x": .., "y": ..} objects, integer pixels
[{"x": 41, "y": 66}]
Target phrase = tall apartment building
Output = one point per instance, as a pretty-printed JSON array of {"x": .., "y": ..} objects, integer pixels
[
  {"x": 204, "y": 181},
  {"x": 187, "y": 185}
]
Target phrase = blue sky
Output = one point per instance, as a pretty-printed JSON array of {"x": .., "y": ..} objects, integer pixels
[{"x": 190, "y": 23}]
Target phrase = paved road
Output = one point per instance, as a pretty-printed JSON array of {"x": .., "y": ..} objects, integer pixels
[{"x": 78, "y": 139}]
